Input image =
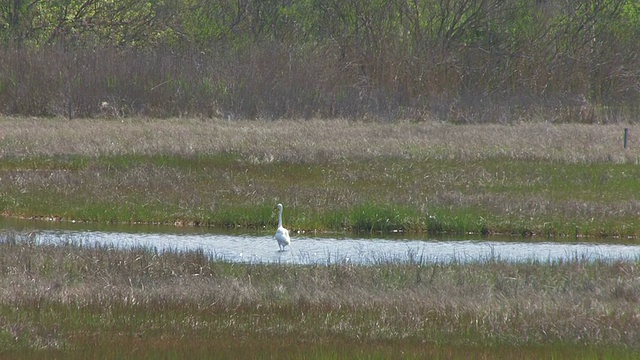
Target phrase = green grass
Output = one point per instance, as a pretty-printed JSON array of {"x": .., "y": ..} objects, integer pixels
[{"x": 484, "y": 197}]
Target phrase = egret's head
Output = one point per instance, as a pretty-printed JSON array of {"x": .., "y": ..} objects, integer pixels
[{"x": 279, "y": 207}]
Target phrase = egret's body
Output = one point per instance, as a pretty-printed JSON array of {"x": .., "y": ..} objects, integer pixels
[{"x": 282, "y": 234}]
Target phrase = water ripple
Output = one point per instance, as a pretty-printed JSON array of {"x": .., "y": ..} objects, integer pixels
[{"x": 323, "y": 250}]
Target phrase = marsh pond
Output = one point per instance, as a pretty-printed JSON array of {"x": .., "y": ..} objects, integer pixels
[{"x": 322, "y": 249}]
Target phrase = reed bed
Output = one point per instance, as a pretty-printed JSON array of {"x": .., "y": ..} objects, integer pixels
[{"x": 72, "y": 300}]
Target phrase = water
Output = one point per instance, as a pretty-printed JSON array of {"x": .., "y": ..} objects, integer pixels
[{"x": 262, "y": 248}]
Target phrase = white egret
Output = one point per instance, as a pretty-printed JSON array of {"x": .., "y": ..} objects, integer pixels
[{"x": 282, "y": 234}]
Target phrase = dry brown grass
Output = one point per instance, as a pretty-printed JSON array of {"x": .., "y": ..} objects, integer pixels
[
  {"x": 318, "y": 140},
  {"x": 586, "y": 303}
]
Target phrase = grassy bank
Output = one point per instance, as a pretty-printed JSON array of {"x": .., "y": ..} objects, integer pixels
[
  {"x": 74, "y": 301},
  {"x": 528, "y": 179}
]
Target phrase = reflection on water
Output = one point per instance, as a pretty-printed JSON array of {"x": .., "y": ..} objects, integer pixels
[{"x": 315, "y": 250}]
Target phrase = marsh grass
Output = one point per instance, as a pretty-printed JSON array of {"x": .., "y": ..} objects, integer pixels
[
  {"x": 72, "y": 301},
  {"x": 528, "y": 179},
  {"x": 315, "y": 140}
]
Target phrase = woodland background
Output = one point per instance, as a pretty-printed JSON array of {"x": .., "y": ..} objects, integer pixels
[{"x": 459, "y": 61}]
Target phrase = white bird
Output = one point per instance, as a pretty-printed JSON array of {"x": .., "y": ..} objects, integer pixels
[{"x": 282, "y": 234}]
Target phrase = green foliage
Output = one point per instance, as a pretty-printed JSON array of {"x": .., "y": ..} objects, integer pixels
[
  {"x": 273, "y": 59},
  {"x": 365, "y": 24},
  {"x": 628, "y": 26}
]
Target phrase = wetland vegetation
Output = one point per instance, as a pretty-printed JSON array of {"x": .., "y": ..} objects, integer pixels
[
  {"x": 452, "y": 116},
  {"x": 556, "y": 181},
  {"x": 550, "y": 181},
  {"x": 77, "y": 301}
]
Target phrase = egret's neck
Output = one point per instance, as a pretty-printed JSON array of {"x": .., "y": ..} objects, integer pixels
[{"x": 280, "y": 218}]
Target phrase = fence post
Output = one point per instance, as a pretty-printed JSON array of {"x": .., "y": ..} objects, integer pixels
[{"x": 626, "y": 137}]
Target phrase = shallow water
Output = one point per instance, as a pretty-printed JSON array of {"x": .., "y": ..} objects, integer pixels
[
  {"x": 323, "y": 250},
  {"x": 261, "y": 248}
]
